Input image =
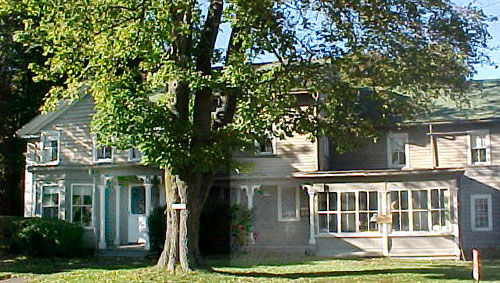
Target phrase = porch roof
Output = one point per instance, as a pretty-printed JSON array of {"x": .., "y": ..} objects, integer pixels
[{"x": 374, "y": 173}]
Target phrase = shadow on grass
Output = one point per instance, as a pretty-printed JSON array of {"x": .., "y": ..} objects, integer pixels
[
  {"x": 432, "y": 271},
  {"x": 25, "y": 265}
]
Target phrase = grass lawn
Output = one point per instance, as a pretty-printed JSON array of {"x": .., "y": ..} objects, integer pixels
[{"x": 248, "y": 270}]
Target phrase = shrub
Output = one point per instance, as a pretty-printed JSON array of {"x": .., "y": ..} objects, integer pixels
[
  {"x": 48, "y": 237},
  {"x": 8, "y": 228},
  {"x": 157, "y": 228}
]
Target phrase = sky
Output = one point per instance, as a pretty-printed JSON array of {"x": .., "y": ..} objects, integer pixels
[{"x": 492, "y": 8}]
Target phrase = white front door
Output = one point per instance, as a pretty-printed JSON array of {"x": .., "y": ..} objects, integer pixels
[{"x": 137, "y": 220}]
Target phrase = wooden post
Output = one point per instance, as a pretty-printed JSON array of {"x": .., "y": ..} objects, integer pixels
[
  {"x": 476, "y": 265},
  {"x": 118, "y": 216},
  {"x": 102, "y": 220}
]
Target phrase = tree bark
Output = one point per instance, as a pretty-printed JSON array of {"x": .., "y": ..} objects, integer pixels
[{"x": 182, "y": 235}]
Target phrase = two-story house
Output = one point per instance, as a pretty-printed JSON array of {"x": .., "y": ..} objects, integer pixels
[{"x": 427, "y": 188}]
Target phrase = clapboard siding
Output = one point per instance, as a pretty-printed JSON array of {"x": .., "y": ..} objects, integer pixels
[
  {"x": 420, "y": 149},
  {"x": 481, "y": 180},
  {"x": 371, "y": 155},
  {"x": 293, "y": 154}
]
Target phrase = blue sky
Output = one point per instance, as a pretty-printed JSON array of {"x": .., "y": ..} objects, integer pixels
[{"x": 490, "y": 7}]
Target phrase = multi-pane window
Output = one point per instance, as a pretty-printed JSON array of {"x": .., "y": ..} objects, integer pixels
[
  {"x": 288, "y": 204},
  {"x": 347, "y": 212},
  {"x": 481, "y": 212},
  {"x": 134, "y": 154},
  {"x": 479, "y": 147},
  {"x": 396, "y": 150},
  {"x": 50, "y": 201},
  {"x": 265, "y": 147},
  {"x": 420, "y": 210},
  {"x": 81, "y": 204},
  {"x": 103, "y": 153},
  {"x": 49, "y": 150}
]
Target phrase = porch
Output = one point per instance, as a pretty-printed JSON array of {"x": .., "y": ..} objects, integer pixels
[{"x": 124, "y": 204}]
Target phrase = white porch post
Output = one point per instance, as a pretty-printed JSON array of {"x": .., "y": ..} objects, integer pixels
[
  {"x": 148, "y": 185},
  {"x": 312, "y": 213},
  {"x": 118, "y": 218},
  {"x": 102, "y": 217},
  {"x": 454, "y": 219},
  {"x": 385, "y": 226}
]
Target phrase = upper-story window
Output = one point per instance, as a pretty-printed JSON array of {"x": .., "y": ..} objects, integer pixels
[
  {"x": 265, "y": 147},
  {"x": 479, "y": 147},
  {"x": 134, "y": 155},
  {"x": 103, "y": 154},
  {"x": 397, "y": 150},
  {"x": 49, "y": 148}
]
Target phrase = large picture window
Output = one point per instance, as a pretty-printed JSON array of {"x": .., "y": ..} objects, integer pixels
[
  {"x": 348, "y": 212},
  {"x": 50, "y": 201},
  {"x": 81, "y": 201},
  {"x": 420, "y": 210}
]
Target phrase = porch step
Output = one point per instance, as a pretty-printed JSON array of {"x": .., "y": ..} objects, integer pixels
[{"x": 130, "y": 251}]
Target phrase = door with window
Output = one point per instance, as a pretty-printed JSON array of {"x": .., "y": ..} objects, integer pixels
[{"x": 137, "y": 220}]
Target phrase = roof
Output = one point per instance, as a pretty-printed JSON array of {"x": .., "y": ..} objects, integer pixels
[
  {"x": 373, "y": 173},
  {"x": 36, "y": 124},
  {"x": 484, "y": 104}
]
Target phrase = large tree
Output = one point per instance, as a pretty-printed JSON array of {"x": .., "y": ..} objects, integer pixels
[
  {"x": 20, "y": 99},
  {"x": 161, "y": 83}
]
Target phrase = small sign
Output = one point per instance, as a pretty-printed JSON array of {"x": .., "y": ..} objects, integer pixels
[
  {"x": 178, "y": 206},
  {"x": 384, "y": 219}
]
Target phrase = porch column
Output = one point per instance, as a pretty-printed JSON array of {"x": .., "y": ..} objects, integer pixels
[
  {"x": 454, "y": 219},
  {"x": 118, "y": 218},
  {"x": 148, "y": 185},
  {"x": 312, "y": 213},
  {"x": 102, "y": 217},
  {"x": 385, "y": 226}
]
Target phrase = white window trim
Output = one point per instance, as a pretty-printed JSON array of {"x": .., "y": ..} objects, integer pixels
[
  {"x": 267, "y": 153},
  {"x": 59, "y": 211},
  {"x": 355, "y": 190},
  {"x": 297, "y": 205},
  {"x": 104, "y": 160},
  {"x": 92, "y": 209},
  {"x": 470, "y": 134},
  {"x": 473, "y": 213},
  {"x": 380, "y": 211},
  {"x": 50, "y": 133},
  {"x": 132, "y": 159},
  {"x": 429, "y": 217},
  {"x": 389, "y": 150}
]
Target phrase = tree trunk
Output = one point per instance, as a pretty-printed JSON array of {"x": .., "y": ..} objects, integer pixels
[{"x": 182, "y": 235}]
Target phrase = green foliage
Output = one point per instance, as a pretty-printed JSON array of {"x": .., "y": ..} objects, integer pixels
[
  {"x": 240, "y": 226},
  {"x": 157, "y": 227},
  {"x": 124, "y": 52},
  {"x": 48, "y": 237},
  {"x": 8, "y": 229}
]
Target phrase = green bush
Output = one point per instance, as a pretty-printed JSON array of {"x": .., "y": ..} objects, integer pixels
[
  {"x": 48, "y": 237},
  {"x": 157, "y": 228},
  {"x": 8, "y": 228}
]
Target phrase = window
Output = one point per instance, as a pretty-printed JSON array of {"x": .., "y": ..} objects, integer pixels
[
  {"x": 49, "y": 148},
  {"x": 103, "y": 154},
  {"x": 348, "y": 212},
  {"x": 50, "y": 201},
  {"x": 397, "y": 150},
  {"x": 420, "y": 210},
  {"x": 288, "y": 204},
  {"x": 479, "y": 147},
  {"x": 81, "y": 204},
  {"x": 265, "y": 147},
  {"x": 481, "y": 213},
  {"x": 134, "y": 154}
]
